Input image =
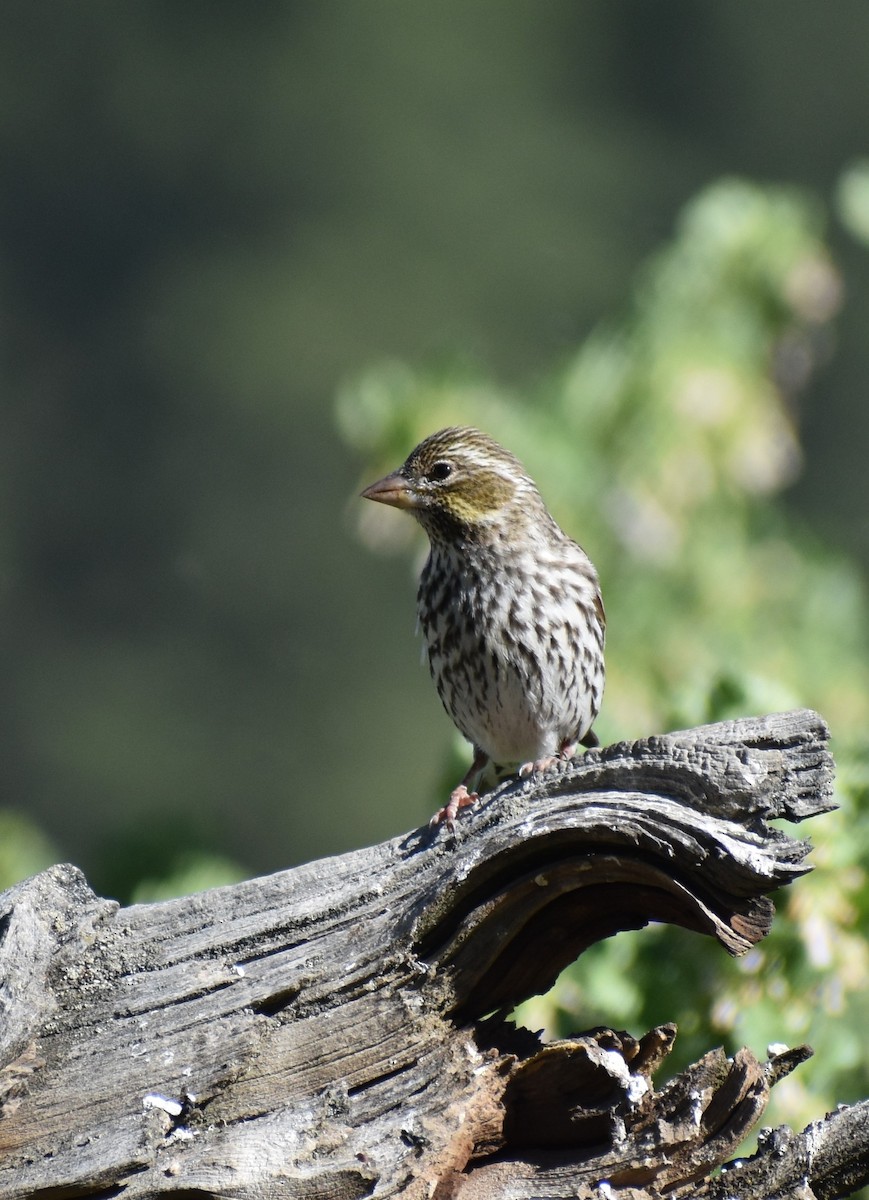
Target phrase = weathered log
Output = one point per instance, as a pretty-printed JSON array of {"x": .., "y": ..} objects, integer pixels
[
  {"x": 830, "y": 1158},
  {"x": 324, "y": 1032}
]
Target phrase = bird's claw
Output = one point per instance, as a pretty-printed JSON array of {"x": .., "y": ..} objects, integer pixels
[
  {"x": 552, "y": 762},
  {"x": 460, "y": 797}
]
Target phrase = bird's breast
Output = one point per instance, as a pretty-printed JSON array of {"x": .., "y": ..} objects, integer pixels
[{"x": 513, "y": 652}]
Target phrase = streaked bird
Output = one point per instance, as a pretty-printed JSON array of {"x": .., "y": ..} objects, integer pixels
[{"x": 509, "y": 606}]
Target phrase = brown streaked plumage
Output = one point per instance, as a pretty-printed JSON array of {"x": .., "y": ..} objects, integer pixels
[{"x": 509, "y": 606}]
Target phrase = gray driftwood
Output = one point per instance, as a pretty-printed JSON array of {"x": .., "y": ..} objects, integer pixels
[{"x": 328, "y": 1031}]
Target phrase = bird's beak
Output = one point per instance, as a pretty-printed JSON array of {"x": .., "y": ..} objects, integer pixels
[{"x": 392, "y": 489}]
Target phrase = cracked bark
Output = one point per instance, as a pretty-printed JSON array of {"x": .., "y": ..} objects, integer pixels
[{"x": 323, "y": 1031}]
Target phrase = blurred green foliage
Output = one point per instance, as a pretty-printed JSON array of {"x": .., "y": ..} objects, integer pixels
[
  {"x": 853, "y": 199},
  {"x": 24, "y": 849},
  {"x": 193, "y": 871},
  {"x": 664, "y": 444}
]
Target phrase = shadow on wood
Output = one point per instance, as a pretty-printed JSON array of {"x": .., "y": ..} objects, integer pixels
[{"x": 324, "y": 1031}]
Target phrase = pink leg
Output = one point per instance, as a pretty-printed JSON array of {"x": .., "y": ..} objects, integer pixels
[{"x": 460, "y": 797}]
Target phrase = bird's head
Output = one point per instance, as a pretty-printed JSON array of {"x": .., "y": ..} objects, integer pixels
[{"x": 460, "y": 483}]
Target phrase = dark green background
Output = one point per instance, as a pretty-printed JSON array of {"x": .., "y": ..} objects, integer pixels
[{"x": 211, "y": 214}]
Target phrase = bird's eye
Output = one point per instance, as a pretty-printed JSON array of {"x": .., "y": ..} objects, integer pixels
[{"x": 439, "y": 472}]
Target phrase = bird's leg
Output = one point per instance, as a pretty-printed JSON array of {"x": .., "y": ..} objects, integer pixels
[
  {"x": 566, "y": 751},
  {"x": 460, "y": 797}
]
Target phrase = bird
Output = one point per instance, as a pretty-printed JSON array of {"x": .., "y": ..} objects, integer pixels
[{"x": 509, "y": 607}]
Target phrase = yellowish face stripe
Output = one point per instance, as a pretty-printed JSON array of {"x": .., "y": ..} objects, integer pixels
[{"x": 473, "y": 498}]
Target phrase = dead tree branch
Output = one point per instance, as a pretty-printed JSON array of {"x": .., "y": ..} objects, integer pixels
[{"x": 322, "y": 1032}]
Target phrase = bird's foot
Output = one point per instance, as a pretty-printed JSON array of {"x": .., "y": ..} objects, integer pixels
[
  {"x": 460, "y": 797},
  {"x": 552, "y": 762},
  {"x": 539, "y": 765}
]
